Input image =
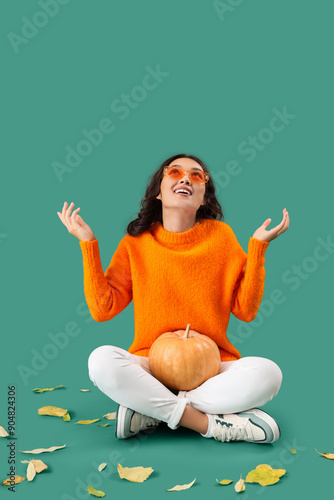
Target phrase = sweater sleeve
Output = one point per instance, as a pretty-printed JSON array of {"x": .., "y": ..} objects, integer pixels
[
  {"x": 107, "y": 294},
  {"x": 249, "y": 287}
]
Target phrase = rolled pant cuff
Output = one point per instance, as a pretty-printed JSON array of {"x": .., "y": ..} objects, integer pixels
[{"x": 177, "y": 413}]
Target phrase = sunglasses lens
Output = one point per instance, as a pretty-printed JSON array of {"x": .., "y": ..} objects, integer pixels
[
  {"x": 194, "y": 175},
  {"x": 197, "y": 176}
]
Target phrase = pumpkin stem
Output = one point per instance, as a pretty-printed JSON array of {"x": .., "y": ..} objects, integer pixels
[{"x": 187, "y": 331}]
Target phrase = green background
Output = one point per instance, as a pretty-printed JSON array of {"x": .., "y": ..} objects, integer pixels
[{"x": 225, "y": 71}]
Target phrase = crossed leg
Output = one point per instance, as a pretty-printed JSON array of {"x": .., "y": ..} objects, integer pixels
[{"x": 240, "y": 385}]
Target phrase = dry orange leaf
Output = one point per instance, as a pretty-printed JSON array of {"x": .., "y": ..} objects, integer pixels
[
  {"x": 330, "y": 456},
  {"x": 17, "y": 479},
  {"x": 3, "y": 432},
  {"x": 42, "y": 450},
  {"x": 180, "y": 487},
  {"x": 110, "y": 416},
  {"x": 54, "y": 411},
  {"x": 134, "y": 474},
  {"x": 87, "y": 421},
  {"x": 37, "y": 390}
]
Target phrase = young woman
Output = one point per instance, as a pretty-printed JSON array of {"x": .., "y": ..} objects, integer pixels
[{"x": 181, "y": 265}]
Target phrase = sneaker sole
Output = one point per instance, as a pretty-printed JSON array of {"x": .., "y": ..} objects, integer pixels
[
  {"x": 123, "y": 419},
  {"x": 269, "y": 420}
]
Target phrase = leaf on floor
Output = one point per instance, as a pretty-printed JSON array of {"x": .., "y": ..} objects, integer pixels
[
  {"x": 3, "y": 432},
  {"x": 180, "y": 487},
  {"x": 240, "y": 485},
  {"x": 102, "y": 466},
  {"x": 42, "y": 450},
  {"x": 38, "y": 390},
  {"x": 225, "y": 481},
  {"x": 103, "y": 425},
  {"x": 54, "y": 411},
  {"x": 85, "y": 390},
  {"x": 96, "y": 493},
  {"x": 293, "y": 451},
  {"x": 330, "y": 456},
  {"x": 38, "y": 464},
  {"x": 9, "y": 481},
  {"x": 31, "y": 472},
  {"x": 265, "y": 475},
  {"x": 134, "y": 474},
  {"x": 276, "y": 472},
  {"x": 66, "y": 417},
  {"x": 87, "y": 421},
  {"x": 110, "y": 416}
]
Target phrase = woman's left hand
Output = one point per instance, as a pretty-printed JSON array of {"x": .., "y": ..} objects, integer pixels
[{"x": 263, "y": 235}]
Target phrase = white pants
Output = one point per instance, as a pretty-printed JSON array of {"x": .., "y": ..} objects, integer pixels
[{"x": 126, "y": 378}]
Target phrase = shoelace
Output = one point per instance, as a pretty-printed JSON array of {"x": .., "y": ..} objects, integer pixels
[
  {"x": 150, "y": 421},
  {"x": 229, "y": 433}
]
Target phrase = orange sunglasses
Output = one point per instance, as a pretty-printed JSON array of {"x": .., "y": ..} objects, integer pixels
[{"x": 194, "y": 175}]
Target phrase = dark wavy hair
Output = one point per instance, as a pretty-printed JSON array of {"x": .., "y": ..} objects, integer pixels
[{"x": 151, "y": 208}]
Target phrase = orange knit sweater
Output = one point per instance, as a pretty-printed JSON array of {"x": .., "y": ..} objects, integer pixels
[{"x": 197, "y": 276}]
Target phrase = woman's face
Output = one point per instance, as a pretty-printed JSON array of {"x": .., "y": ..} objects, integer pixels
[{"x": 168, "y": 185}]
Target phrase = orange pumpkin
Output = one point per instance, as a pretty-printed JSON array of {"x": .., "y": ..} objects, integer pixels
[{"x": 184, "y": 359}]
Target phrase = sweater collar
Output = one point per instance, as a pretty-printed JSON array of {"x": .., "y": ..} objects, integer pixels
[{"x": 193, "y": 234}]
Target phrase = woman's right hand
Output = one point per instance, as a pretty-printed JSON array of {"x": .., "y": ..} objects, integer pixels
[{"x": 75, "y": 224}]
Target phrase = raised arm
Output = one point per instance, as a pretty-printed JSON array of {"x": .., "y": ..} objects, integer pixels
[
  {"x": 107, "y": 294},
  {"x": 248, "y": 291}
]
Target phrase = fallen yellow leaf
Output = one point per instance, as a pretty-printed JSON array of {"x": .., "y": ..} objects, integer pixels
[
  {"x": 96, "y": 493},
  {"x": 85, "y": 390},
  {"x": 180, "y": 487},
  {"x": 31, "y": 473},
  {"x": 225, "y": 481},
  {"x": 110, "y": 416},
  {"x": 43, "y": 390},
  {"x": 134, "y": 474},
  {"x": 66, "y": 417},
  {"x": 38, "y": 464},
  {"x": 262, "y": 476},
  {"x": 3, "y": 432},
  {"x": 42, "y": 450},
  {"x": 103, "y": 425},
  {"x": 102, "y": 466},
  {"x": 293, "y": 451},
  {"x": 54, "y": 411},
  {"x": 276, "y": 472},
  {"x": 240, "y": 485},
  {"x": 87, "y": 421},
  {"x": 17, "y": 479},
  {"x": 330, "y": 456}
]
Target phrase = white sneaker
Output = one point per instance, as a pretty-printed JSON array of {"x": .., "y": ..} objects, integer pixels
[
  {"x": 130, "y": 422},
  {"x": 254, "y": 426}
]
